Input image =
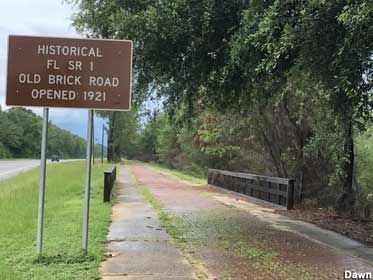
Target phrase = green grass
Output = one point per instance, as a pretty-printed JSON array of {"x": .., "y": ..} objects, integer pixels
[
  {"x": 225, "y": 276},
  {"x": 62, "y": 257},
  {"x": 149, "y": 197},
  {"x": 177, "y": 173},
  {"x": 242, "y": 248}
]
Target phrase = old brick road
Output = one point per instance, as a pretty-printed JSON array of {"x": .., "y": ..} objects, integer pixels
[{"x": 215, "y": 234}]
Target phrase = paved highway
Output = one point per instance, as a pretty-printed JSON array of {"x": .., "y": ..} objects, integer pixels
[{"x": 9, "y": 168}]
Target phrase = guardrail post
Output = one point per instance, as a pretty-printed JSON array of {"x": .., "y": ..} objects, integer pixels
[
  {"x": 290, "y": 195},
  {"x": 209, "y": 177},
  {"x": 110, "y": 176},
  {"x": 106, "y": 186}
]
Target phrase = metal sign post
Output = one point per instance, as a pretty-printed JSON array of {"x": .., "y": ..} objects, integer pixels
[
  {"x": 93, "y": 138},
  {"x": 43, "y": 159},
  {"x": 87, "y": 191},
  {"x": 102, "y": 144}
]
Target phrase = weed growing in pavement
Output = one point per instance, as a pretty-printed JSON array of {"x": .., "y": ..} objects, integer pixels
[
  {"x": 225, "y": 276},
  {"x": 288, "y": 271},
  {"x": 244, "y": 249}
]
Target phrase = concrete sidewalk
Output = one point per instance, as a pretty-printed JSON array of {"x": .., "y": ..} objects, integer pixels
[{"x": 139, "y": 247}]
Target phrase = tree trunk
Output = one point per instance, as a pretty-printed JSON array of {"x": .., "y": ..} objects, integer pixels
[
  {"x": 301, "y": 136},
  {"x": 110, "y": 141},
  {"x": 270, "y": 143},
  {"x": 346, "y": 201}
]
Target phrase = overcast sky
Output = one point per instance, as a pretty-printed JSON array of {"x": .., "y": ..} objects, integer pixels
[{"x": 45, "y": 18}]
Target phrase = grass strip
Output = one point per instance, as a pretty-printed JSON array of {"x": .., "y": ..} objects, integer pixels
[
  {"x": 167, "y": 222},
  {"x": 62, "y": 257}
]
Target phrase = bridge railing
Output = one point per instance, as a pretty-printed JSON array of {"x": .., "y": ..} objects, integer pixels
[
  {"x": 110, "y": 175},
  {"x": 272, "y": 189}
]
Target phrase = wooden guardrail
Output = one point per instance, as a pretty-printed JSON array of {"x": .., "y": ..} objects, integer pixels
[
  {"x": 110, "y": 175},
  {"x": 272, "y": 189}
]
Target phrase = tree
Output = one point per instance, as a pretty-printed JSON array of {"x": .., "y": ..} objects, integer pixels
[
  {"x": 179, "y": 45},
  {"x": 122, "y": 133},
  {"x": 331, "y": 41},
  {"x": 250, "y": 57},
  {"x": 166, "y": 142},
  {"x": 10, "y": 135},
  {"x": 20, "y": 135},
  {"x": 29, "y": 141}
]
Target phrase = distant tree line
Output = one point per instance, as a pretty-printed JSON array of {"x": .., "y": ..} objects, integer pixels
[
  {"x": 276, "y": 87},
  {"x": 20, "y": 136}
]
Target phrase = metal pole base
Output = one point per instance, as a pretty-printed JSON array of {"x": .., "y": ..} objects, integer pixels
[
  {"x": 87, "y": 190},
  {"x": 43, "y": 160}
]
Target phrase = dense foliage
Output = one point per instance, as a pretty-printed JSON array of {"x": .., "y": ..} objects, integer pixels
[
  {"x": 277, "y": 87},
  {"x": 20, "y": 136}
]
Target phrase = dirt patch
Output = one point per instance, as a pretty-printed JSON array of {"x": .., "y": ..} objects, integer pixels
[{"x": 328, "y": 219}]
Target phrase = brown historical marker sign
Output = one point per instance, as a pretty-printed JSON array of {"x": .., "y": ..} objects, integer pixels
[{"x": 69, "y": 73}]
